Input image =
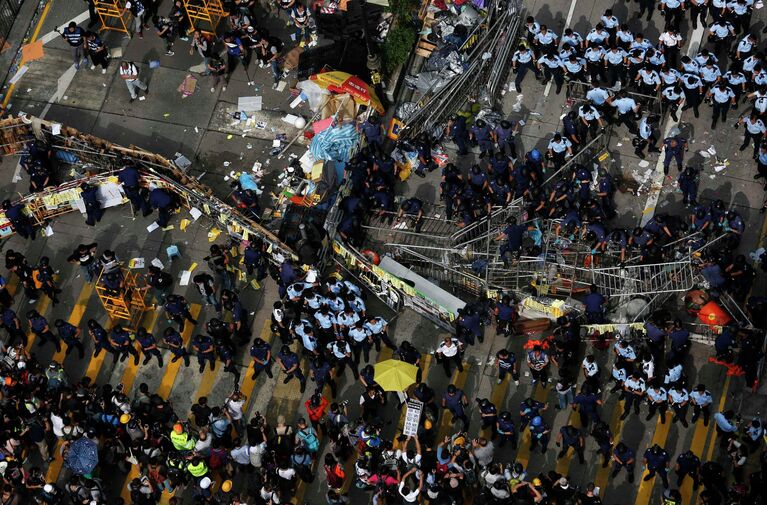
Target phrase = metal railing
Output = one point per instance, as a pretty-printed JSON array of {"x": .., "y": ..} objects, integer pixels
[{"x": 482, "y": 74}]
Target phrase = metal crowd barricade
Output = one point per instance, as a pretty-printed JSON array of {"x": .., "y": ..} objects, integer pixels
[{"x": 99, "y": 159}]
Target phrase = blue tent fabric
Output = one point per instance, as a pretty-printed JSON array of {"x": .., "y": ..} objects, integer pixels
[
  {"x": 82, "y": 456},
  {"x": 335, "y": 144}
]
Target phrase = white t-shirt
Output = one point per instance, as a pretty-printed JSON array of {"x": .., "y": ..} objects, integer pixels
[
  {"x": 411, "y": 497},
  {"x": 448, "y": 351},
  {"x": 235, "y": 408},
  {"x": 57, "y": 423}
]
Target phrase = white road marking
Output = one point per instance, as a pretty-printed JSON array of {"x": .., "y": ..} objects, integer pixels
[
  {"x": 61, "y": 88},
  {"x": 53, "y": 34},
  {"x": 567, "y": 23},
  {"x": 656, "y": 188}
]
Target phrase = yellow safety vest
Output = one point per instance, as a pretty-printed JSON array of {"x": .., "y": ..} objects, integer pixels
[
  {"x": 197, "y": 470},
  {"x": 181, "y": 441}
]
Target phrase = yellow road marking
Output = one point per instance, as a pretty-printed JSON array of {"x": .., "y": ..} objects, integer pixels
[
  {"x": 41, "y": 307},
  {"x": 131, "y": 370},
  {"x": 523, "y": 454},
  {"x": 659, "y": 437},
  {"x": 496, "y": 398},
  {"x": 722, "y": 401},
  {"x": 171, "y": 369},
  {"x": 248, "y": 382},
  {"x": 696, "y": 446},
  {"x": 76, "y": 316},
  {"x": 39, "y": 26},
  {"x": 168, "y": 378},
  {"x": 445, "y": 424},
  {"x": 616, "y": 428}
]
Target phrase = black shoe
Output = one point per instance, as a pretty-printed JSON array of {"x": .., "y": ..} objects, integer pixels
[
  {"x": 743, "y": 147},
  {"x": 561, "y": 454},
  {"x": 131, "y": 100},
  {"x": 303, "y": 387},
  {"x": 615, "y": 473},
  {"x": 696, "y": 113},
  {"x": 624, "y": 415},
  {"x": 647, "y": 477},
  {"x": 631, "y": 477},
  {"x": 518, "y": 88}
]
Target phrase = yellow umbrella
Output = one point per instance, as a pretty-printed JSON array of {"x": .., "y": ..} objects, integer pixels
[
  {"x": 341, "y": 82},
  {"x": 394, "y": 375}
]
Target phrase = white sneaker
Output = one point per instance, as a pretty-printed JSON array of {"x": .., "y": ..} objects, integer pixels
[
  {"x": 498, "y": 381},
  {"x": 223, "y": 89},
  {"x": 93, "y": 67},
  {"x": 103, "y": 70},
  {"x": 212, "y": 90},
  {"x": 516, "y": 383}
]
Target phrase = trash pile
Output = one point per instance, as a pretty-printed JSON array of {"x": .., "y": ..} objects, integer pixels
[{"x": 451, "y": 27}]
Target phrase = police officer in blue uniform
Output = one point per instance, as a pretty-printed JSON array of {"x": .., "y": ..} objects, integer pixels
[
  {"x": 70, "y": 334},
  {"x": 688, "y": 183},
  {"x": 371, "y": 129},
  {"x": 289, "y": 363},
  {"x": 456, "y": 127},
  {"x": 675, "y": 147},
  {"x": 656, "y": 461},
  {"x": 177, "y": 310},
  {"x": 120, "y": 340},
  {"x": 39, "y": 326},
  {"x": 21, "y": 223},
  {"x": 480, "y": 133},
  {"x": 130, "y": 178},
  {"x": 261, "y": 354},
  {"x": 100, "y": 338},
  {"x": 204, "y": 348},
  {"x": 93, "y": 210},
  {"x": 163, "y": 201},
  {"x": 225, "y": 353},
  {"x": 148, "y": 345},
  {"x": 175, "y": 343},
  {"x": 503, "y": 135}
]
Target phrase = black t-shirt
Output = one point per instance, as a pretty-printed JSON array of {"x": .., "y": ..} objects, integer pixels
[{"x": 201, "y": 414}]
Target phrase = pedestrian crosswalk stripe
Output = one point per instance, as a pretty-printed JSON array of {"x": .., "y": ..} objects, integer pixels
[
  {"x": 76, "y": 316},
  {"x": 171, "y": 369}
]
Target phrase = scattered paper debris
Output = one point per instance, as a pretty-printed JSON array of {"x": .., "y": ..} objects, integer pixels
[
  {"x": 55, "y": 128},
  {"x": 136, "y": 263},
  {"x": 157, "y": 263},
  {"x": 213, "y": 234},
  {"x": 192, "y": 267},
  {"x": 152, "y": 227},
  {"x": 48, "y": 231},
  {"x": 184, "y": 223},
  {"x": 142, "y": 98},
  {"x": 195, "y": 212},
  {"x": 186, "y": 275},
  {"x": 227, "y": 163},
  {"x": 169, "y": 228},
  {"x": 229, "y": 137},
  {"x": 644, "y": 163}
]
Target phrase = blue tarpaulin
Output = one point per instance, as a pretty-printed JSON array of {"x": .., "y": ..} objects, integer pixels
[{"x": 335, "y": 143}]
